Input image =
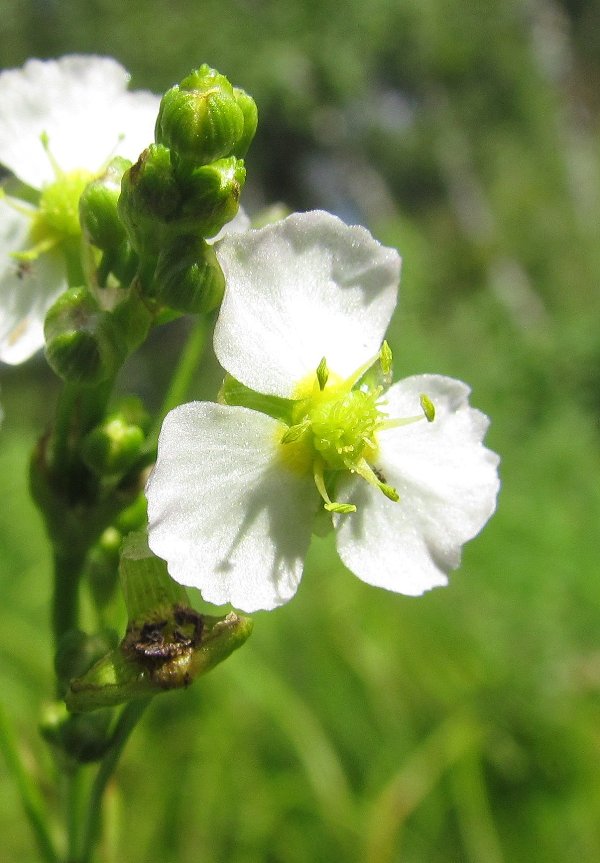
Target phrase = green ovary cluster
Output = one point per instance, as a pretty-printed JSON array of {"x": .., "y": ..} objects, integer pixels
[
  {"x": 342, "y": 427},
  {"x": 57, "y": 217}
]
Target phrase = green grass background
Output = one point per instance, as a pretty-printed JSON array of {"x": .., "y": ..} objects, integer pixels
[{"x": 357, "y": 725}]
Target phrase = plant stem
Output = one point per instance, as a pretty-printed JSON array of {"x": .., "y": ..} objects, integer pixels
[
  {"x": 65, "y": 601},
  {"x": 184, "y": 373},
  {"x": 30, "y": 796},
  {"x": 128, "y": 719}
]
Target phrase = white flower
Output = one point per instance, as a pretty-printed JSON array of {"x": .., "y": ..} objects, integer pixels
[
  {"x": 60, "y": 122},
  {"x": 235, "y": 491}
]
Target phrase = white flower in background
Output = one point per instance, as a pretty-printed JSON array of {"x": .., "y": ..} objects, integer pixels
[
  {"x": 403, "y": 471},
  {"x": 60, "y": 123}
]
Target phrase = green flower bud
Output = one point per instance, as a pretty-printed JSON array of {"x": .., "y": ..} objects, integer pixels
[
  {"x": 83, "y": 738},
  {"x": 150, "y": 199},
  {"x": 188, "y": 276},
  {"x": 200, "y": 120},
  {"x": 82, "y": 344},
  {"x": 248, "y": 107},
  {"x": 212, "y": 197},
  {"x": 113, "y": 447},
  {"x": 98, "y": 206}
]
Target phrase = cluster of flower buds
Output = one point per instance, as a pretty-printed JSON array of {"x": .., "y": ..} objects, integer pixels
[
  {"x": 145, "y": 225},
  {"x": 186, "y": 186}
]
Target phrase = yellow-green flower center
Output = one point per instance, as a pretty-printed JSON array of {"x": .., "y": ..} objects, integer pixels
[
  {"x": 334, "y": 427},
  {"x": 57, "y": 216}
]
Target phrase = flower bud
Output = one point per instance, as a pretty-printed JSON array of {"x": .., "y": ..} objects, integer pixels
[
  {"x": 212, "y": 197},
  {"x": 83, "y": 738},
  {"x": 188, "y": 276},
  {"x": 98, "y": 206},
  {"x": 201, "y": 120},
  {"x": 82, "y": 343},
  {"x": 113, "y": 447},
  {"x": 150, "y": 198}
]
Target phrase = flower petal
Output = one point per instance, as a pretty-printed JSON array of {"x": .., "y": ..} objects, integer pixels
[
  {"x": 223, "y": 513},
  {"x": 301, "y": 289},
  {"x": 447, "y": 482},
  {"x": 81, "y": 103},
  {"x": 27, "y": 290}
]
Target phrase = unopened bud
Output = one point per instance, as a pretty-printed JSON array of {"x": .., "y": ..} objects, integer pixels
[
  {"x": 150, "y": 199},
  {"x": 201, "y": 119},
  {"x": 113, "y": 447},
  {"x": 98, "y": 206},
  {"x": 212, "y": 197},
  {"x": 188, "y": 276},
  {"x": 82, "y": 344}
]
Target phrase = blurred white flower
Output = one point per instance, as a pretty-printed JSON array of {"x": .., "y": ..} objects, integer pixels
[
  {"x": 60, "y": 123},
  {"x": 236, "y": 487}
]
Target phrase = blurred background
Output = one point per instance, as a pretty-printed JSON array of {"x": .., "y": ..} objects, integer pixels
[{"x": 358, "y": 725}]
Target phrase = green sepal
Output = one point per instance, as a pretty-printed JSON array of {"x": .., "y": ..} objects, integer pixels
[
  {"x": 167, "y": 643},
  {"x": 98, "y": 206},
  {"x": 200, "y": 119},
  {"x": 233, "y": 392},
  {"x": 188, "y": 276}
]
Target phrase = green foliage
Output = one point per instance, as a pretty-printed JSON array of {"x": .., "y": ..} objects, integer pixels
[{"x": 359, "y": 725}]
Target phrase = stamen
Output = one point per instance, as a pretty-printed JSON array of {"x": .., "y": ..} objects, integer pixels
[
  {"x": 17, "y": 206},
  {"x": 428, "y": 407},
  {"x": 295, "y": 432},
  {"x": 330, "y": 506},
  {"x": 322, "y": 374},
  {"x": 364, "y": 469},
  {"x": 34, "y": 252},
  {"x": 58, "y": 171}
]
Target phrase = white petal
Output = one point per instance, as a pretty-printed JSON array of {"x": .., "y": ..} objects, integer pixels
[
  {"x": 26, "y": 291},
  {"x": 301, "y": 289},
  {"x": 223, "y": 513},
  {"x": 447, "y": 482},
  {"x": 82, "y": 104}
]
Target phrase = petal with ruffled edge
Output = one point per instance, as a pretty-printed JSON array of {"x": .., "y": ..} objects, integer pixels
[
  {"x": 26, "y": 291},
  {"x": 447, "y": 482},
  {"x": 223, "y": 513},
  {"x": 298, "y": 290},
  {"x": 82, "y": 104}
]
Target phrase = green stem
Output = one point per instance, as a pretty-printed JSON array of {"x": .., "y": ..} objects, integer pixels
[
  {"x": 75, "y": 794},
  {"x": 128, "y": 719},
  {"x": 30, "y": 796},
  {"x": 68, "y": 566},
  {"x": 184, "y": 374}
]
